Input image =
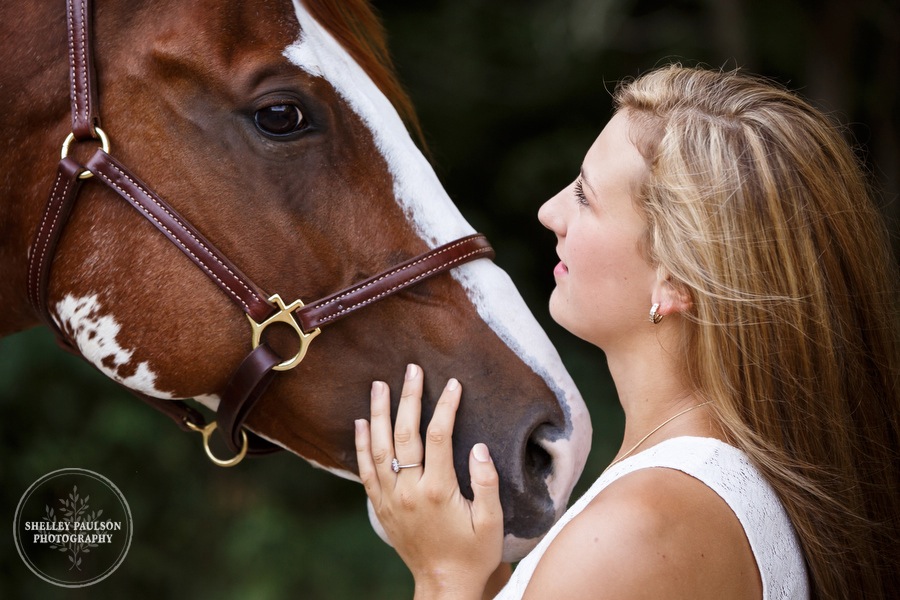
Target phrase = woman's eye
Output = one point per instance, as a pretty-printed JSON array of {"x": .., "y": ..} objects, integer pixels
[
  {"x": 579, "y": 193},
  {"x": 279, "y": 119}
]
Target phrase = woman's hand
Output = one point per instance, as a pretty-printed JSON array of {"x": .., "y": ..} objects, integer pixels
[{"x": 450, "y": 544}]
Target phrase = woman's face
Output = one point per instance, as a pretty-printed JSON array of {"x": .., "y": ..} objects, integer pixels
[{"x": 603, "y": 282}]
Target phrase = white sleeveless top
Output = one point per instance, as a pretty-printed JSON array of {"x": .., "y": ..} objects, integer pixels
[{"x": 728, "y": 472}]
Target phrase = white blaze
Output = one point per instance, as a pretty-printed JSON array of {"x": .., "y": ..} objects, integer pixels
[{"x": 438, "y": 221}]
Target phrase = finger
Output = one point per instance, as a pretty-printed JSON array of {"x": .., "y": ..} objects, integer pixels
[
  {"x": 382, "y": 442},
  {"x": 364, "y": 461},
  {"x": 487, "y": 515},
  {"x": 407, "y": 441},
  {"x": 439, "y": 442}
]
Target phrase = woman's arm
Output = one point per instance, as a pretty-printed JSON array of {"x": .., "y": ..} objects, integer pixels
[{"x": 452, "y": 546}]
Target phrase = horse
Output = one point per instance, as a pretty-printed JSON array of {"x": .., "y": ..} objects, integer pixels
[{"x": 279, "y": 136}]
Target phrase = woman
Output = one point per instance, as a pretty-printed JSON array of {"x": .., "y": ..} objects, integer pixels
[{"x": 760, "y": 454}]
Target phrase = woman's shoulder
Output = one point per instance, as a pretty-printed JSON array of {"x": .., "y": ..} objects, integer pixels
[{"x": 652, "y": 532}]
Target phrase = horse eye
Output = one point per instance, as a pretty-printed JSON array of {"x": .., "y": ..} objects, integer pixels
[{"x": 279, "y": 119}]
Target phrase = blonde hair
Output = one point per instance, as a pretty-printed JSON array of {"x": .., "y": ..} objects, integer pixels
[{"x": 758, "y": 208}]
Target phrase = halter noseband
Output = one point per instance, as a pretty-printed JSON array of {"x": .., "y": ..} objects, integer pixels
[{"x": 251, "y": 378}]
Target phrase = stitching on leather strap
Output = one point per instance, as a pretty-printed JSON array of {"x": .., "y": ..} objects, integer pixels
[
  {"x": 84, "y": 71},
  {"x": 181, "y": 243},
  {"x": 42, "y": 240},
  {"x": 405, "y": 283},
  {"x": 395, "y": 271},
  {"x": 72, "y": 76}
]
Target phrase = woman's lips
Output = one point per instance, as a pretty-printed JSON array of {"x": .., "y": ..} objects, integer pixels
[{"x": 560, "y": 269}]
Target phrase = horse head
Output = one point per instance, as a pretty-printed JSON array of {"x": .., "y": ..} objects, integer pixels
[{"x": 276, "y": 130}]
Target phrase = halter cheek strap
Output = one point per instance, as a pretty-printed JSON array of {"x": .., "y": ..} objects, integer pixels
[{"x": 253, "y": 375}]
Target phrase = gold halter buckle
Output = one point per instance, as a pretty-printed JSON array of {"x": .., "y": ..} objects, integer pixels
[
  {"x": 207, "y": 431},
  {"x": 284, "y": 315}
]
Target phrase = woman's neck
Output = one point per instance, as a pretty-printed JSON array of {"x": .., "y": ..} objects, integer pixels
[{"x": 652, "y": 389}]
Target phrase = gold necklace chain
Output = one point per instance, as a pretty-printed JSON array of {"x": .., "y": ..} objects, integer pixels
[{"x": 655, "y": 429}]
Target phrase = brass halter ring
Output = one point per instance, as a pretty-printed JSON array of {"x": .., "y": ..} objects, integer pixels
[
  {"x": 284, "y": 315},
  {"x": 207, "y": 431},
  {"x": 104, "y": 145}
]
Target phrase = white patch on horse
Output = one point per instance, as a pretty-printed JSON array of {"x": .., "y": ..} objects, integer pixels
[
  {"x": 342, "y": 473},
  {"x": 210, "y": 401},
  {"x": 438, "y": 221},
  {"x": 416, "y": 185},
  {"x": 95, "y": 336}
]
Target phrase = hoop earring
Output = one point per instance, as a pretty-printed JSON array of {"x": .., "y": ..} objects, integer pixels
[{"x": 655, "y": 317}]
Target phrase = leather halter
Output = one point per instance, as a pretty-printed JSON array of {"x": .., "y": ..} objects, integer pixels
[{"x": 254, "y": 374}]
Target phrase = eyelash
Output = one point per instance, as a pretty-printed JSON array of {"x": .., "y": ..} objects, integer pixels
[{"x": 579, "y": 193}]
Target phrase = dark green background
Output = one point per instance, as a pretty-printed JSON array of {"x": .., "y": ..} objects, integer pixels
[{"x": 510, "y": 94}]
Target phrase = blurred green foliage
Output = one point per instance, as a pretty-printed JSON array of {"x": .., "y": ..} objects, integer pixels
[{"x": 510, "y": 94}]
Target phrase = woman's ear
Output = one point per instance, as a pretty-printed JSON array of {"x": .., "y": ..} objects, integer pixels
[{"x": 672, "y": 297}]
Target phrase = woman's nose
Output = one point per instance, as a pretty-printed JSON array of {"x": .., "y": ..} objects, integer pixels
[{"x": 550, "y": 214}]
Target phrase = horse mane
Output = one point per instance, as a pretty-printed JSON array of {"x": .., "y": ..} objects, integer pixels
[{"x": 355, "y": 25}]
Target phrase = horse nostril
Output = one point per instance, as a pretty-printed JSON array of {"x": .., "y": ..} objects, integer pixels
[
  {"x": 529, "y": 496},
  {"x": 538, "y": 460}
]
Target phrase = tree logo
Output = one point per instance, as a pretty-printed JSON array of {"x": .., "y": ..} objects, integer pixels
[{"x": 72, "y": 527}]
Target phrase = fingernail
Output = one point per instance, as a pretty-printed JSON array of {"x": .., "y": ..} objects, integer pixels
[
  {"x": 452, "y": 384},
  {"x": 481, "y": 453},
  {"x": 411, "y": 371},
  {"x": 376, "y": 387},
  {"x": 359, "y": 425}
]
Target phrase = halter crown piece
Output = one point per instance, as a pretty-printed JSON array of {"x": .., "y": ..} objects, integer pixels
[{"x": 251, "y": 378}]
